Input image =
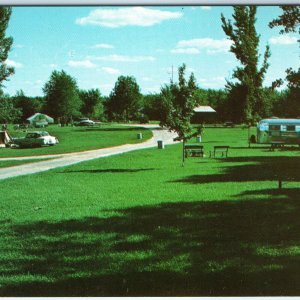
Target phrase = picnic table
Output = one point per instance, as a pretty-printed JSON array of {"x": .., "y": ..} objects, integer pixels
[
  {"x": 219, "y": 149},
  {"x": 193, "y": 150},
  {"x": 276, "y": 145}
]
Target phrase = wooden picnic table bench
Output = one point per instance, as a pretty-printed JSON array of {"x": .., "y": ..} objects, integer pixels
[
  {"x": 276, "y": 145},
  {"x": 219, "y": 149},
  {"x": 193, "y": 150}
]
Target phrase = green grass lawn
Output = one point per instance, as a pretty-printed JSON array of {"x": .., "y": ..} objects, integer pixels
[
  {"x": 139, "y": 224},
  {"x": 73, "y": 139},
  {"x": 12, "y": 163}
]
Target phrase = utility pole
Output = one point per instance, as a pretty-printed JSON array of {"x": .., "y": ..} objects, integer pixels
[{"x": 172, "y": 76}]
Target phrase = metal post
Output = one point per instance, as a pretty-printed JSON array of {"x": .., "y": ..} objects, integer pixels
[
  {"x": 183, "y": 154},
  {"x": 249, "y": 136}
]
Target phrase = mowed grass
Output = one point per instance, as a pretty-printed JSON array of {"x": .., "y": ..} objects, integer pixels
[
  {"x": 12, "y": 163},
  {"x": 74, "y": 139},
  {"x": 140, "y": 224}
]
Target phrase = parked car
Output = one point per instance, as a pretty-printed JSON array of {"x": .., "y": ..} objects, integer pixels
[
  {"x": 228, "y": 124},
  {"x": 85, "y": 122},
  {"x": 36, "y": 139}
]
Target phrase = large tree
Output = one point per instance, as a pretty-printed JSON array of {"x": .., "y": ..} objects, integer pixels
[
  {"x": 246, "y": 89},
  {"x": 124, "y": 102},
  {"x": 5, "y": 45},
  {"x": 8, "y": 112},
  {"x": 92, "y": 104},
  {"x": 62, "y": 96},
  {"x": 178, "y": 103},
  {"x": 290, "y": 22},
  {"x": 28, "y": 105}
]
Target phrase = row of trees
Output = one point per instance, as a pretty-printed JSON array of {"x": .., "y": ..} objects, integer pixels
[
  {"x": 64, "y": 100},
  {"x": 244, "y": 98}
]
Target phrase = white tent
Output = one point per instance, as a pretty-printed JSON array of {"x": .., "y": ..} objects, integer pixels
[
  {"x": 4, "y": 139},
  {"x": 40, "y": 120}
]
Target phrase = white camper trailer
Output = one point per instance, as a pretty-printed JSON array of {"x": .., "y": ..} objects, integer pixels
[{"x": 272, "y": 130}]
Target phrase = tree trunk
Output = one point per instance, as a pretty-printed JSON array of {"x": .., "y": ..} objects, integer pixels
[{"x": 183, "y": 154}]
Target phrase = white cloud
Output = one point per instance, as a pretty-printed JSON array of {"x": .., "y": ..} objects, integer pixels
[
  {"x": 213, "y": 82},
  {"x": 129, "y": 16},
  {"x": 122, "y": 58},
  {"x": 212, "y": 46},
  {"x": 283, "y": 40},
  {"x": 185, "y": 51},
  {"x": 205, "y": 7},
  {"x": 147, "y": 79},
  {"x": 104, "y": 46},
  {"x": 13, "y": 63},
  {"x": 81, "y": 64},
  {"x": 111, "y": 70}
]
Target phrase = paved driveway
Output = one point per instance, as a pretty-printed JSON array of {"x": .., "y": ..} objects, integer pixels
[{"x": 62, "y": 160}]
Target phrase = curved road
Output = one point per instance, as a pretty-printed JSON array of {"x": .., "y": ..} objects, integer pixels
[{"x": 67, "y": 159}]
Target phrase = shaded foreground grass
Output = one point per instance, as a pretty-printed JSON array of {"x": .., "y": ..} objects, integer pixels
[
  {"x": 73, "y": 139},
  {"x": 139, "y": 224}
]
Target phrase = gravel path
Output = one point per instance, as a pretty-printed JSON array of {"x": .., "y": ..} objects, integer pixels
[{"x": 67, "y": 159}]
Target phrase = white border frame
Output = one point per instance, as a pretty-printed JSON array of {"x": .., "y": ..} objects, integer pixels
[{"x": 144, "y": 2}]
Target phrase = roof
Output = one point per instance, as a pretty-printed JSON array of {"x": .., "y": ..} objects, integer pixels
[
  {"x": 204, "y": 109},
  {"x": 280, "y": 121},
  {"x": 36, "y": 115}
]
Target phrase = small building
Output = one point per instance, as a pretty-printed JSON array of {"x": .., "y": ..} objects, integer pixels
[
  {"x": 204, "y": 114},
  {"x": 40, "y": 120}
]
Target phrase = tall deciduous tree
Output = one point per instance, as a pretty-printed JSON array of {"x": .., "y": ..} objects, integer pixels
[
  {"x": 178, "y": 103},
  {"x": 249, "y": 76},
  {"x": 8, "y": 112},
  {"x": 5, "y": 45},
  {"x": 290, "y": 21},
  {"x": 62, "y": 96},
  {"x": 124, "y": 102},
  {"x": 92, "y": 105},
  {"x": 28, "y": 105}
]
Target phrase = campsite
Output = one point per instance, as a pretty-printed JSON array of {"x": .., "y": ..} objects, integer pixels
[
  {"x": 185, "y": 231},
  {"x": 149, "y": 151}
]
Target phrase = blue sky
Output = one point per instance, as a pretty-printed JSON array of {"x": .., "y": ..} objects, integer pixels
[{"x": 95, "y": 45}]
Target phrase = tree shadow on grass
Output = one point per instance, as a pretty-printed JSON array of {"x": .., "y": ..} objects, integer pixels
[
  {"x": 228, "y": 248},
  {"x": 253, "y": 169},
  {"x": 110, "y": 170}
]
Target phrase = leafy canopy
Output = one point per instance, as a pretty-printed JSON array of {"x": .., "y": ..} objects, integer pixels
[
  {"x": 5, "y": 45},
  {"x": 248, "y": 76},
  {"x": 62, "y": 96},
  {"x": 178, "y": 103},
  {"x": 125, "y": 100}
]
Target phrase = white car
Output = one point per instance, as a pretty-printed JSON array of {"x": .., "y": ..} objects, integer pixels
[
  {"x": 36, "y": 139},
  {"x": 85, "y": 122}
]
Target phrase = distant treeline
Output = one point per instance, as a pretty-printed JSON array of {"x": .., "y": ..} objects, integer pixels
[{"x": 126, "y": 103}]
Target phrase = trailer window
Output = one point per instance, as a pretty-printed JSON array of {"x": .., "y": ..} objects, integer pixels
[
  {"x": 290, "y": 128},
  {"x": 274, "y": 127}
]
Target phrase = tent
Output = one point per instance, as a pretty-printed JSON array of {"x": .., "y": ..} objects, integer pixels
[
  {"x": 5, "y": 139},
  {"x": 40, "y": 120},
  {"x": 203, "y": 113}
]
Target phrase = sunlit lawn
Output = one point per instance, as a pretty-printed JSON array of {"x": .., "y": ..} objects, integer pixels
[
  {"x": 72, "y": 139},
  {"x": 141, "y": 224},
  {"x": 12, "y": 163}
]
